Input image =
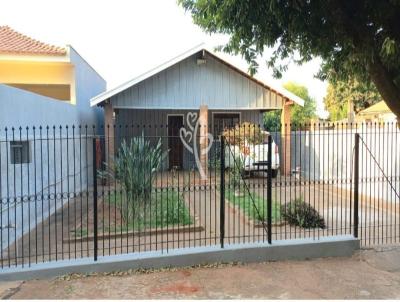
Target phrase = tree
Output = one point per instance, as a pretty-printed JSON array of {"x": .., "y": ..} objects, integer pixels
[
  {"x": 300, "y": 115},
  {"x": 341, "y": 93},
  {"x": 359, "y": 38},
  {"x": 272, "y": 120}
]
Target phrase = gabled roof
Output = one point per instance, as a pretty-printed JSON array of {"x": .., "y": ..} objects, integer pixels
[
  {"x": 107, "y": 94},
  {"x": 13, "y": 42}
]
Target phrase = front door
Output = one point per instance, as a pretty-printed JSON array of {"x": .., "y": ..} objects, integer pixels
[{"x": 175, "y": 145}]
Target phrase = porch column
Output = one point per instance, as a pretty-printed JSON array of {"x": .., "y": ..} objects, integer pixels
[
  {"x": 109, "y": 132},
  {"x": 203, "y": 143},
  {"x": 285, "y": 137}
]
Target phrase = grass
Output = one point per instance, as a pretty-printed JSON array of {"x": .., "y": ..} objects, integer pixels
[
  {"x": 79, "y": 232},
  {"x": 165, "y": 209},
  {"x": 246, "y": 204}
]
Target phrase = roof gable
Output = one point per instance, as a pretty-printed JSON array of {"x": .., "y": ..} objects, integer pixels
[
  {"x": 13, "y": 42},
  {"x": 110, "y": 93},
  {"x": 379, "y": 107}
]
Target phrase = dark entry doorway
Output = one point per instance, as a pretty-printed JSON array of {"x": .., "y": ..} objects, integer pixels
[{"x": 175, "y": 145}]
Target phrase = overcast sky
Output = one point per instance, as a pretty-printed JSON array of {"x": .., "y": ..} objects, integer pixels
[{"x": 124, "y": 38}]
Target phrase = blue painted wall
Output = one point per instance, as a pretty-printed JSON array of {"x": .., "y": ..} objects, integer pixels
[
  {"x": 23, "y": 108},
  {"x": 53, "y": 170}
]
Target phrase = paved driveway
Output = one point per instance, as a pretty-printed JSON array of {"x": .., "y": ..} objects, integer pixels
[{"x": 368, "y": 274}]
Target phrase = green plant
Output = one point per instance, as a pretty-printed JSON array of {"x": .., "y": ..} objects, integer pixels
[
  {"x": 237, "y": 171},
  {"x": 301, "y": 214},
  {"x": 353, "y": 39},
  {"x": 166, "y": 208},
  {"x": 253, "y": 205},
  {"x": 244, "y": 133},
  {"x": 272, "y": 120},
  {"x": 134, "y": 168},
  {"x": 79, "y": 232}
]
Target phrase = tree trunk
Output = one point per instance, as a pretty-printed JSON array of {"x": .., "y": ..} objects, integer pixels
[{"x": 385, "y": 85}]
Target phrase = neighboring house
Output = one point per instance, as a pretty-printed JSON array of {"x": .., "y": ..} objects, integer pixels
[
  {"x": 42, "y": 86},
  {"x": 197, "y": 81},
  {"x": 378, "y": 112}
]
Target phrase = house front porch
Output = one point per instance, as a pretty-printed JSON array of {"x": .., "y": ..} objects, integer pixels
[{"x": 184, "y": 134}]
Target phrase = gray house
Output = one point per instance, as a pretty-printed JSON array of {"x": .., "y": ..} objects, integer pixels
[{"x": 197, "y": 81}]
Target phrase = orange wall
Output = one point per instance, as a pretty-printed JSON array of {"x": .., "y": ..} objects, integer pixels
[{"x": 35, "y": 76}]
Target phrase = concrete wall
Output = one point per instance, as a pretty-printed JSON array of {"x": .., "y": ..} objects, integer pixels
[
  {"x": 294, "y": 249},
  {"x": 60, "y": 157},
  {"x": 328, "y": 155},
  {"x": 187, "y": 85}
]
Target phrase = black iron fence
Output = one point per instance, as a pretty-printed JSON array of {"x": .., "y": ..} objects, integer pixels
[{"x": 85, "y": 191}]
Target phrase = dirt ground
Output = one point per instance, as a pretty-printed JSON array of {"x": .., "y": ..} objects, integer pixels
[{"x": 369, "y": 274}]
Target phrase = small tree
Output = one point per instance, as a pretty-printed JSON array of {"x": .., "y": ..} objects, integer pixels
[{"x": 244, "y": 133}]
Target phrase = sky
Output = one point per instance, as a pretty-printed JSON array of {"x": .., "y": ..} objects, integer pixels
[{"x": 122, "y": 39}]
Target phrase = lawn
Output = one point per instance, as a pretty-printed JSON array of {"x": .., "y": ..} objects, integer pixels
[
  {"x": 249, "y": 203},
  {"x": 165, "y": 209}
]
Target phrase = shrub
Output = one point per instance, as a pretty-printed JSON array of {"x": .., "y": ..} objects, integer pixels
[
  {"x": 299, "y": 213},
  {"x": 134, "y": 168}
]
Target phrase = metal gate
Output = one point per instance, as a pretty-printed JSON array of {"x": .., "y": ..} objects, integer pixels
[{"x": 377, "y": 185}]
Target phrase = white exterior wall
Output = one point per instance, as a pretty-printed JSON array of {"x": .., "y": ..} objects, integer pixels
[{"x": 328, "y": 155}]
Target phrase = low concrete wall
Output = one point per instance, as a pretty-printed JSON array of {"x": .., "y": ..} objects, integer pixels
[{"x": 338, "y": 246}]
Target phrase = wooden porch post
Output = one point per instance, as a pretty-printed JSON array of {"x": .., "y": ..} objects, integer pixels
[
  {"x": 203, "y": 123},
  {"x": 285, "y": 137},
  {"x": 109, "y": 131}
]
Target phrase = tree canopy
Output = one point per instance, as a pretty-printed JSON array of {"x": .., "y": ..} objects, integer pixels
[
  {"x": 340, "y": 93},
  {"x": 300, "y": 115},
  {"x": 359, "y": 38}
]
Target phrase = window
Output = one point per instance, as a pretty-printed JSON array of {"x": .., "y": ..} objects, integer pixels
[
  {"x": 225, "y": 120},
  {"x": 20, "y": 152}
]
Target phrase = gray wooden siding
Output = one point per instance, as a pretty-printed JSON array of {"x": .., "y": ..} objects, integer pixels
[{"x": 187, "y": 85}]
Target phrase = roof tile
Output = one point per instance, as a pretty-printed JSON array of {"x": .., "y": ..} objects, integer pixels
[{"x": 13, "y": 42}]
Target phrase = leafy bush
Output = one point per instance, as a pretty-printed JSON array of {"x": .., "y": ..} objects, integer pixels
[
  {"x": 134, "y": 168},
  {"x": 245, "y": 132},
  {"x": 299, "y": 213},
  {"x": 272, "y": 120}
]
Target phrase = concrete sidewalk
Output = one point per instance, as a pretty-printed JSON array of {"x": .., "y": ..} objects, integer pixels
[{"x": 369, "y": 274}]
